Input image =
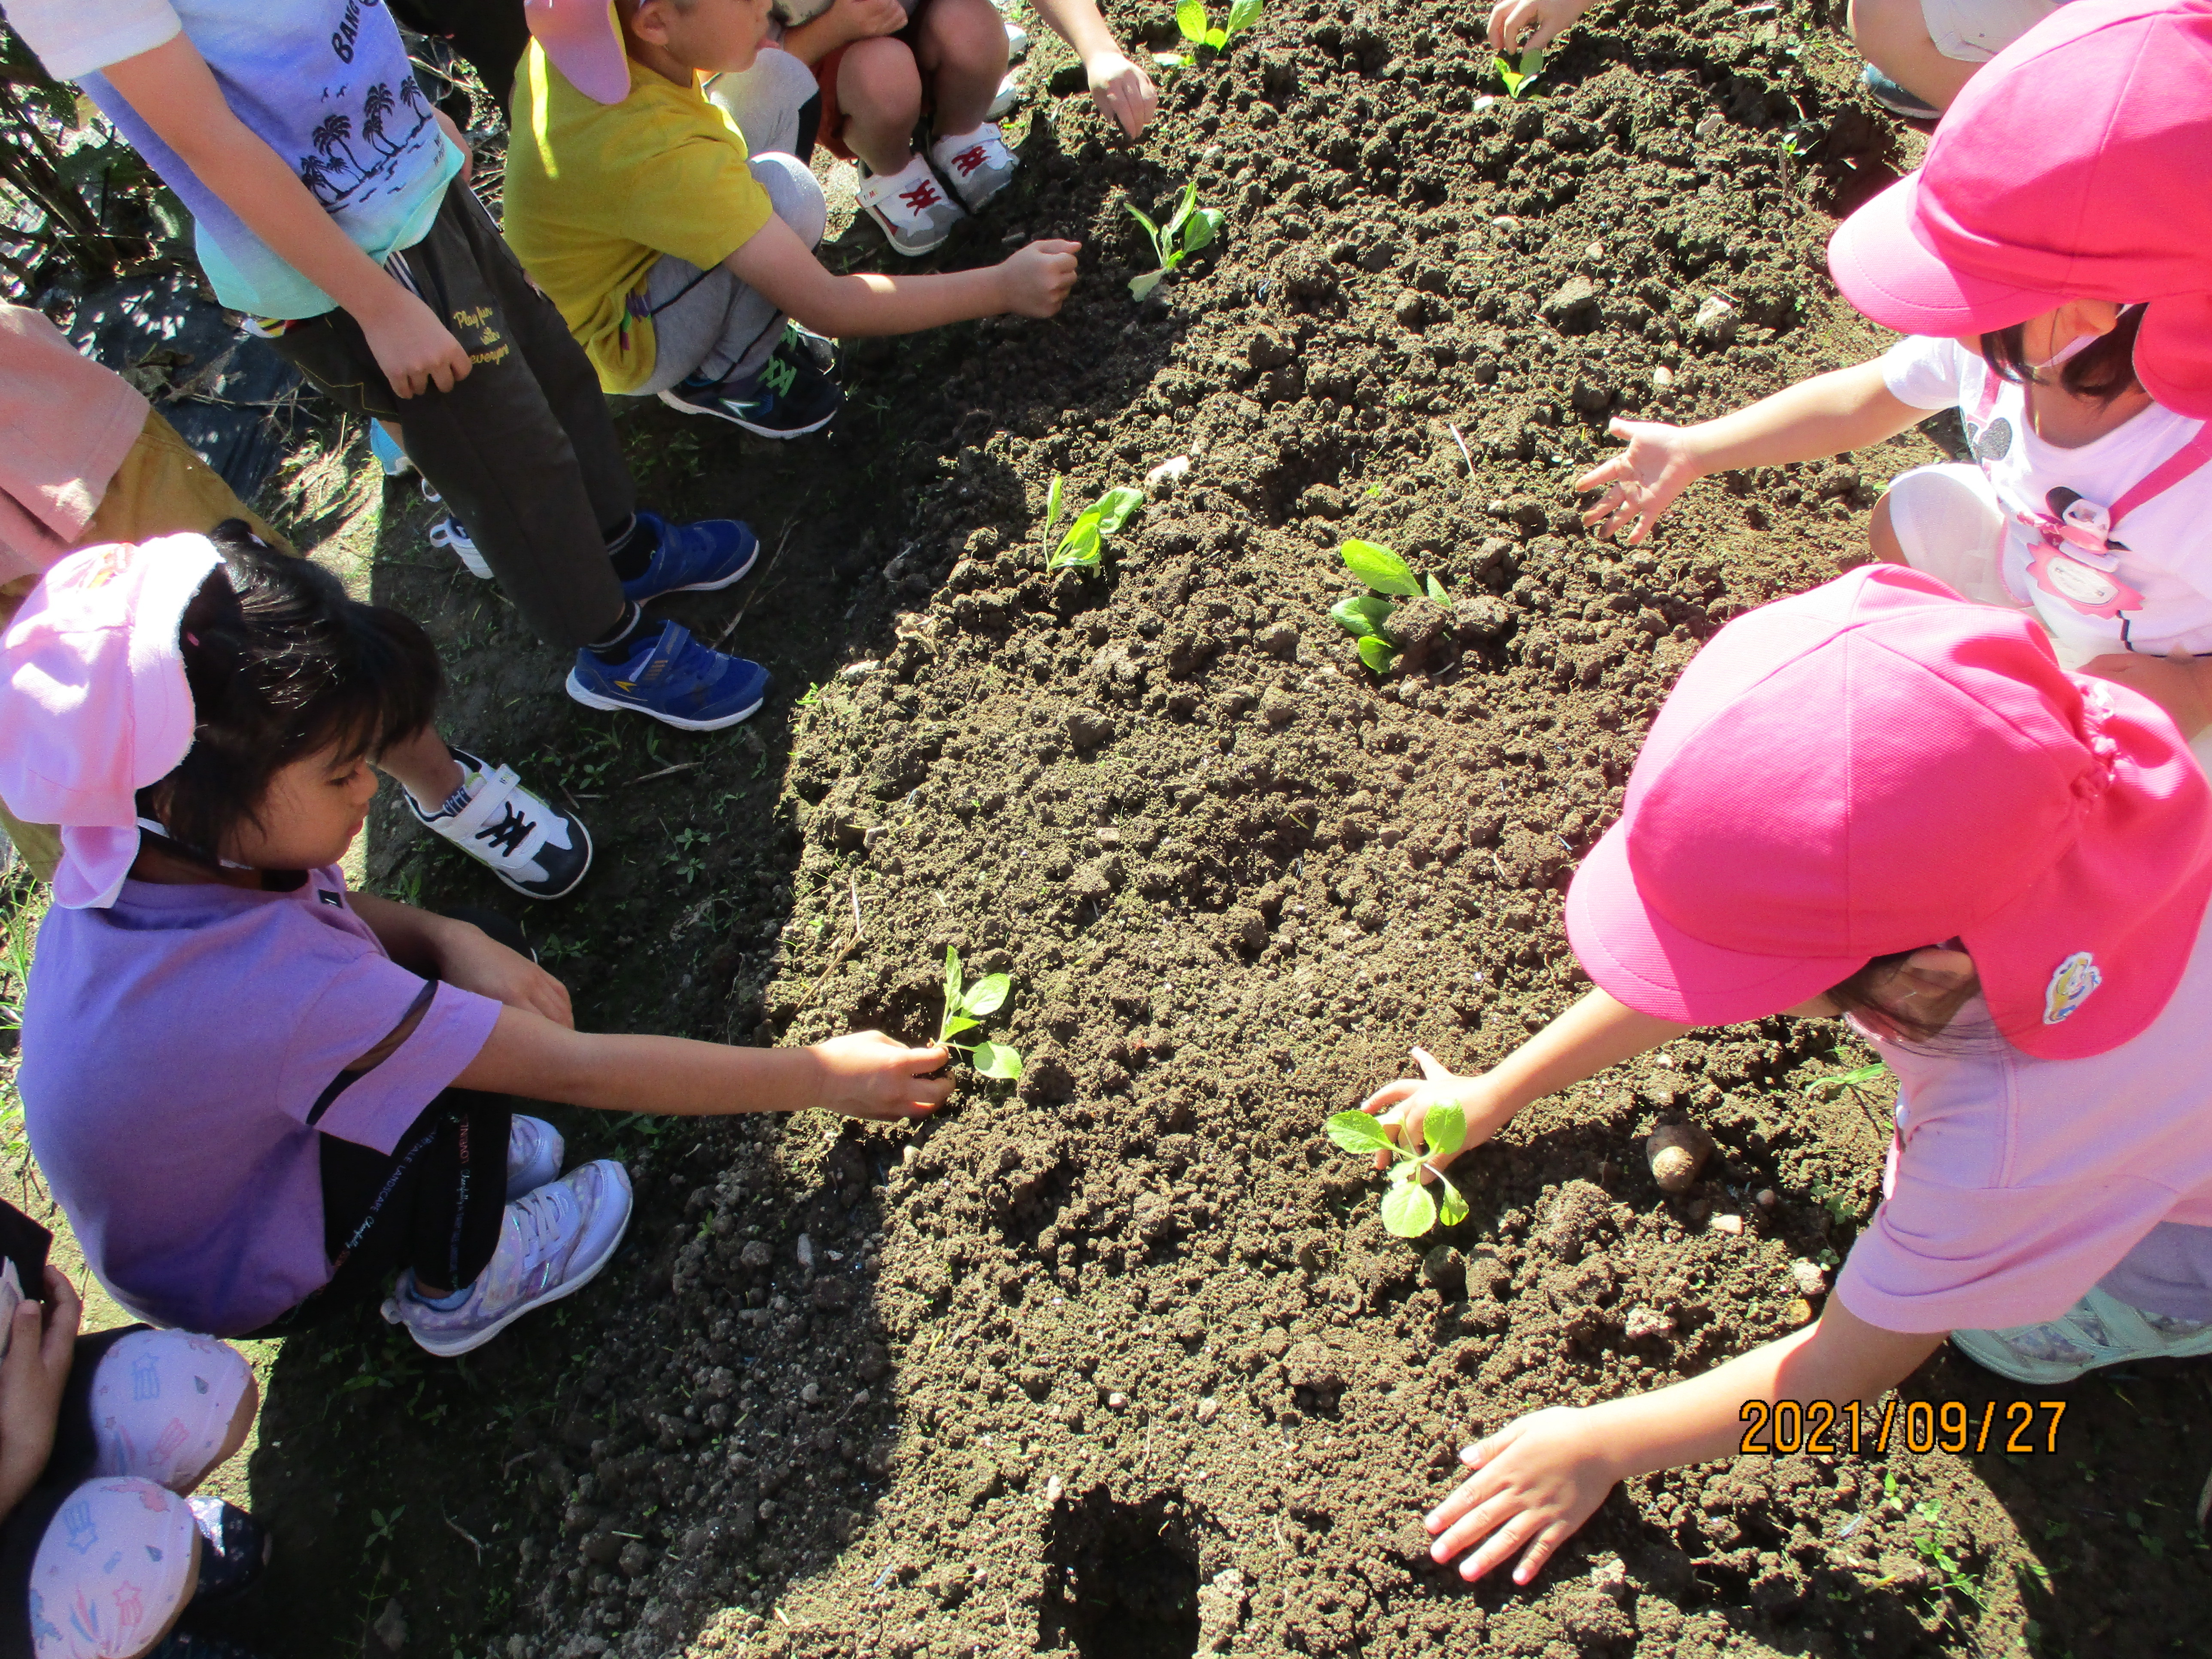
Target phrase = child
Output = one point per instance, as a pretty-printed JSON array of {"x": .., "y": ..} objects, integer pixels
[
  {"x": 674, "y": 256},
  {"x": 1878, "y": 798},
  {"x": 84, "y": 459},
  {"x": 103, "y": 1439},
  {"x": 329, "y": 203},
  {"x": 196, "y": 715},
  {"x": 2054, "y": 274},
  {"x": 1921, "y": 53},
  {"x": 869, "y": 59}
]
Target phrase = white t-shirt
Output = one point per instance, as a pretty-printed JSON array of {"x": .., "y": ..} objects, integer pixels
[
  {"x": 2153, "y": 590},
  {"x": 2015, "y": 1184}
]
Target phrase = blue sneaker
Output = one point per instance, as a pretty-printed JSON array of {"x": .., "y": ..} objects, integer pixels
[
  {"x": 694, "y": 558},
  {"x": 1896, "y": 98},
  {"x": 790, "y": 395},
  {"x": 676, "y": 680}
]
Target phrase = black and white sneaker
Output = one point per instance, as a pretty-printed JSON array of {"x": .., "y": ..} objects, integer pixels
[
  {"x": 790, "y": 395},
  {"x": 450, "y": 534},
  {"x": 537, "y": 850}
]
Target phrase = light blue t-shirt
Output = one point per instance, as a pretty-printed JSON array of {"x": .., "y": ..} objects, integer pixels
[{"x": 324, "y": 83}]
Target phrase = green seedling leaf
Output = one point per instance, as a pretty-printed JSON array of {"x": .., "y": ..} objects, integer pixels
[
  {"x": 1408, "y": 1211},
  {"x": 1150, "y": 229},
  {"x": 987, "y": 995},
  {"x": 1380, "y": 568},
  {"x": 1444, "y": 1128},
  {"x": 1517, "y": 78},
  {"x": 955, "y": 1025},
  {"x": 1080, "y": 546},
  {"x": 1361, "y": 615},
  {"x": 1243, "y": 14},
  {"x": 1217, "y": 39},
  {"x": 1172, "y": 61},
  {"x": 1205, "y": 224},
  {"x": 1114, "y": 507},
  {"x": 1378, "y": 654},
  {"x": 1190, "y": 20},
  {"x": 1453, "y": 1210},
  {"x": 1140, "y": 286},
  {"x": 1052, "y": 504},
  {"x": 952, "y": 977},
  {"x": 1183, "y": 210},
  {"x": 1436, "y": 590},
  {"x": 1357, "y": 1131},
  {"x": 996, "y": 1060}
]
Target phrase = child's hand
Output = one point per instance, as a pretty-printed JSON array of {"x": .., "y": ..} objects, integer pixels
[
  {"x": 1123, "y": 92},
  {"x": 1038, "y": 276},
  {"x": 474, "y": 961},
  {"x": 412, "y": 347},
  {"x": 1659, "y": 463},
  {"x": 864, "y": 20},
  {"x": 40, "y": 1345},
  {"x": 1536, "y": 1481},
  {"x": 867, "y": 1074},
  {"x": 1541, "y": 20},
  {"x": 2182, "y": 687},
  {"x": 1434, "y": 1087}
]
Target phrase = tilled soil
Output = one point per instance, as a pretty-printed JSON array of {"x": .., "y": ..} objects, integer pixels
[{"x": 1118, "y": 1362}]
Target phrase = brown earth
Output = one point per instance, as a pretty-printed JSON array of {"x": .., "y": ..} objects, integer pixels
[{"x": 1118, "y": 1362}]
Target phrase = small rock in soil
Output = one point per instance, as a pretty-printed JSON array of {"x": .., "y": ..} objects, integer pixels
[
  {"x": 1677, "y": 1152},
  {"x": 1716, "y": 321},
  {"x": 1808, "y": 1278}
]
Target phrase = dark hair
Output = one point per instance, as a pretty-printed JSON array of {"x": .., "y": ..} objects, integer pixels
[
  {"x": 1856, "y": 994},
  {"x": 2102, "y": 370},
  {"x": 282, "y": 664}
]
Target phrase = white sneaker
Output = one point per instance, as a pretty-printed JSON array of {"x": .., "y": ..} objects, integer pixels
[
  {"x": 1018, "y": 42},
  {"x": 978, "y": 163},
  {"x": 911, "y": 206},
  {"x": 551, "y": 1245},
  {"x": 2098, "y": 1330},
  {"x": 534, "y": 848},
  {"x": 448, "y": 533},
  {"x": 534, "y": 1150},
  {"x": 1008, "y": 95}
]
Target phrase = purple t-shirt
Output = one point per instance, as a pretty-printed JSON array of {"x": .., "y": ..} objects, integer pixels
[{"x": 175, "y": 1048}]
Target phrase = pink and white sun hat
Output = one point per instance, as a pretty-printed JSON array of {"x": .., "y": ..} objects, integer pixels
[
  {"x": 584, "y": 39},
  {"x": 1879, "y": 765},
  {"x": 2073, "y": 166},
  {"x": 93, "y": 702}
]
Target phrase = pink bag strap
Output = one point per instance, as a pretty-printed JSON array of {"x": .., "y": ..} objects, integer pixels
[
  {"x": 1988, "y": 400},
  {"x": 2168, "y": 473}
]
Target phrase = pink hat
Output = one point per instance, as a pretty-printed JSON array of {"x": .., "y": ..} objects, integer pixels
[
  {"x": 2072, "y": 167},
  {"x": 95, "y": 703},
  {"x": 584, "y": 39},
  {"x": 1879, "y": 765}
]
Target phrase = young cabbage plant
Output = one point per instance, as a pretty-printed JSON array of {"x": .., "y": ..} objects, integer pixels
[
  {"x": 1365, "y": 616},
  {"x": 1083, "y": 545},
  {"x": 1516, "y": 80},
  {"x": 1408, "y": 1208},
  {"x": 1196, "y": 27},
  {"x": 965, "y": 1011},
  {"x": 1190, "y": 229}
]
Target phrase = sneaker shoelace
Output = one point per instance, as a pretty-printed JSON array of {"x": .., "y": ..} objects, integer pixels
[
  {"x": 969, "y": 159},
  {"x": 921, "y": 195},
  {"x": 513, "y": 829},
  {"x": 779, "y": 374},
  {"x": 543, "y": 1226}
]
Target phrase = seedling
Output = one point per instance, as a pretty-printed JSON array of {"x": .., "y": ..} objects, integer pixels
[
  {"x": 1196, "y": 27},
  {"x": 1516, "y": 80},
  {"x": 1083, "y": 545},
  {"x": 1363, "y": 616},
  {"x": 965, "y": 1011},
  {"x": 1190, "y": 229},
  {"x": 1934, "y": 1548},
  {"x": 1408, "y": 1208}
]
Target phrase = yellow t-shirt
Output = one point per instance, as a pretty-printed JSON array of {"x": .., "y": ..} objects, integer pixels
[{"x": 597, "y": 192}]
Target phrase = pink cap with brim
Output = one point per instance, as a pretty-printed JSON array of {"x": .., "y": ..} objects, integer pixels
[
  {"x": 93, "y": 702},
  {"x": 2071, "y": 166},
  {"x": 1879, "y": 765},
  {"x": 584, "y": 39}
]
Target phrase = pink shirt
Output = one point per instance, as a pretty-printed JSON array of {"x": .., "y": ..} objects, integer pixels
[
  {"x": 65, "y": 425},
  {"x": 2014, "y": 1184}
]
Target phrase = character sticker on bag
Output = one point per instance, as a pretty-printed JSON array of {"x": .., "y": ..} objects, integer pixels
[{"x": 2072, "y": 558}]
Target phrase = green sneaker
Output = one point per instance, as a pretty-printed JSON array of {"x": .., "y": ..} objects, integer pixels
[{"x": 2098, "y": 1330}]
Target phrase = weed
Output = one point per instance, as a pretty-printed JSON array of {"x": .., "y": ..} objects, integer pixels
[
  {"x": 1196, "y": 27},
  {"x": 1408, "y": 1210},
  {"x": 1827, "y": 1087},
  {"x": 1083, "y": 545},
  {"x": 381, "y": 1526},
  {"x": 1516, "y": 80},
  {"x": 1367, "y": 616},
  {"x": 1933, "y": 1545},
  {"x": 965, "y": 1011},
  {"x": 1189, "y": 229}
]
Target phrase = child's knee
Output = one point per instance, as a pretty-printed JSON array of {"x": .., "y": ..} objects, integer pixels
[
  {"x": 880, "y": 81},
  {"x": 1880, "y": 25},
  {"x": 125, "y": 1550},
  {"x": 795, "y": 194},
  {"x": 969, "y": 35},
  {"x": 169, "y": 1407},
  {"x": 1882, "y": 534}
]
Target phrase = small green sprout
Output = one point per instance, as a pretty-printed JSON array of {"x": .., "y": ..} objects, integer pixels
[
  {"x": 1516, "y": 80},
  {"x": 1083, "y": 545},
  {"x": 1363, "y": 616},
  {"x": 1190, "y": 229},
  {"x": 1196, "y": 27},
  {"x": 1408, "y": 1210},
  {"x": 964, "y": 1011}
]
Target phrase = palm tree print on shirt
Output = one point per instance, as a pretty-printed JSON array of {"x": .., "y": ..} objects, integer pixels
[{"x": 326, "y": 173}]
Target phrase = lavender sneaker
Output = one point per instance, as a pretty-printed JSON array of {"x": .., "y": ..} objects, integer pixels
[
  {"x": 534, "y": 1149},
  {"x": 551, "y": 1245}
]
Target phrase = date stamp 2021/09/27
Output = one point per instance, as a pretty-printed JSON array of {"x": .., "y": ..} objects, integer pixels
[{"x": 1785, "y": 1427}]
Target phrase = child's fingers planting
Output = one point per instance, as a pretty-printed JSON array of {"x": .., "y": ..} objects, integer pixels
[
  {"x": 1509, "y": 21},
  {"x": 1123, "y": 92},
  {"x": 1538, "y": 1479}
]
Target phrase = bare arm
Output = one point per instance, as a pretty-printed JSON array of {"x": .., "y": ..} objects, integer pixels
[
  {"x": 774, "y": 263},
  {"x": 1542, "y": 1475},
  {"x": 864, "y": 1075},
  {"x": 173, "y": 89}
]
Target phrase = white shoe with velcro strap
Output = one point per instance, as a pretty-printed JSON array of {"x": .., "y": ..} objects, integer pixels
[
  {"x": 911, "y": 206},
  {"x": 534, "y": 848},
  {"x": 978, "y": 163}
]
